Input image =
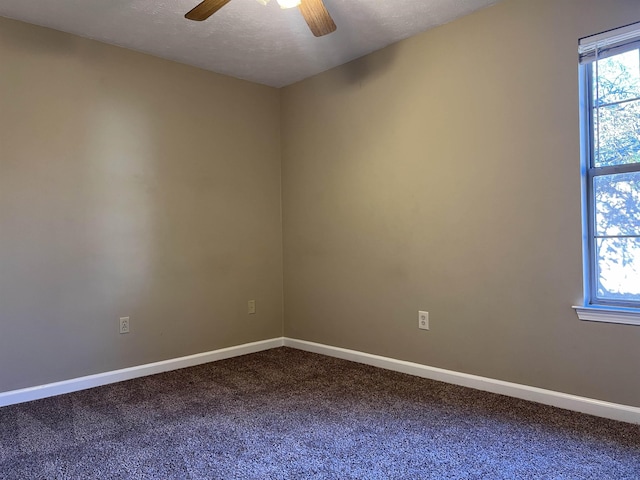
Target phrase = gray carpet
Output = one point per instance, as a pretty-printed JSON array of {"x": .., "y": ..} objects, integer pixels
[{"x": 287, "y": 414}]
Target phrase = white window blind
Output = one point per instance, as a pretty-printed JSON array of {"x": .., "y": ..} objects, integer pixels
[{"x": 607, "y": 44}]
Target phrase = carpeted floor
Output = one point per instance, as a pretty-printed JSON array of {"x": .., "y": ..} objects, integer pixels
[{"x": 287, "y": 414}]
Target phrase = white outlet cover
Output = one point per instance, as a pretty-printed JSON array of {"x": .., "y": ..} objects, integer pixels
[
  {"x": 423, "y": 320},
  {"x": 124, "y": 324}
]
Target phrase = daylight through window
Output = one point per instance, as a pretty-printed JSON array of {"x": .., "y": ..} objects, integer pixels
[{"x": 610, "y": 104}]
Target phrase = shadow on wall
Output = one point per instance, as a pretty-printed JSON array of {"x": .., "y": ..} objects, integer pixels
[
  {"x": 365, "y": 67},
  {"x": 368, "y": 67},
  {"x": 49, "y": 44}
]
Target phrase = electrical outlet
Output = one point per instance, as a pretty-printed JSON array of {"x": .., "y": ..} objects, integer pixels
[
  {"x": 423, "y": 320},
  {"x": 251, "y": 307},
  {"x": 124, "y": 324}
]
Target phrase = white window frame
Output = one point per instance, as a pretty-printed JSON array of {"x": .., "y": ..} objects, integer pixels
[{"x": 590, "y": 48}]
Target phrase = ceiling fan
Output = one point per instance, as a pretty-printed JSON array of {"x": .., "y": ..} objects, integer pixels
[{"x": 313, "y": 11}]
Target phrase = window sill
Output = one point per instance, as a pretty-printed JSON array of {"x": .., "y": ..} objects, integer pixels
[{"x": 625, "y": 316}]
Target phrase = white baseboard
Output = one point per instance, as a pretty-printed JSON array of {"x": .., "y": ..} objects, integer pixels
[
  {"x": 614, "y": 411},
  {"x": 82, "y": 383}
]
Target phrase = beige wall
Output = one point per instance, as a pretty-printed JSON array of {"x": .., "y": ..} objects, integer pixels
[
  {"x": 130, "y": 185},
  {"x": 442, "y": 173}
]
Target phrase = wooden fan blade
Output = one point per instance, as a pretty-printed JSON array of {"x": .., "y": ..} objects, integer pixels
[
  {"x": 205, "y": 9},
  {"x": 317, "y": 17}
]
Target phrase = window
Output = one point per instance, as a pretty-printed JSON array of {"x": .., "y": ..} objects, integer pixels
[{"x": 610, "y": 109}]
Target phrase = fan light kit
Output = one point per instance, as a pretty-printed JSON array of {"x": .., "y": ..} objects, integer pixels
[
  {"x": 287, "y": 3},
  {"x": 313, "y": 11},
  {"x": 283, "y": 3}
]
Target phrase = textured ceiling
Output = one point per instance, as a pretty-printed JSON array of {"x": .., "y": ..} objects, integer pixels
[{"x": 263, "y": 44}]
